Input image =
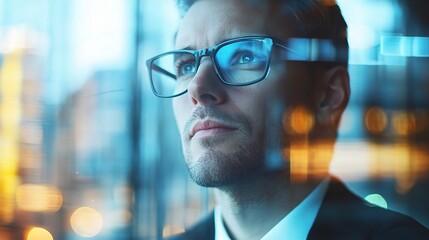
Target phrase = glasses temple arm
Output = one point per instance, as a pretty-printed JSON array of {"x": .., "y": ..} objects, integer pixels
[
  {"x": 310, "y": 50},
  {"x": 162, "y": 70},
  {"x": 289, "y": 54}
]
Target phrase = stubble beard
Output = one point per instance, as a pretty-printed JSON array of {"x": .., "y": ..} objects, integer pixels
[
  {"x": 216, "y": 168},
  {"x": 224, "y": 160}
]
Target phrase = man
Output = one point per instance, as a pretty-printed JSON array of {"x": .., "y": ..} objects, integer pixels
[{"x": 258, "y": 90}]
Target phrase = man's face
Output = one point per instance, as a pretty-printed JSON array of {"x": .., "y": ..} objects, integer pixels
[{"x": 225, "y": 129}]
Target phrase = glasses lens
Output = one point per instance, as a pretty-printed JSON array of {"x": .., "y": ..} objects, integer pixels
[
  {"x": 172, "y": 72},
  {"x": 244, "y": 62}
]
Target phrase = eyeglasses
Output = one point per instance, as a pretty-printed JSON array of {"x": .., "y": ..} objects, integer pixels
[{"x": 237, "y": 62}]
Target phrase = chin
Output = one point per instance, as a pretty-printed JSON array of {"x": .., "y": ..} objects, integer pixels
[{"x": 219, "y": 169}]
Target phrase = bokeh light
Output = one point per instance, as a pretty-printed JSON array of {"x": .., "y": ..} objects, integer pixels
[
  {"x": 299, "y": 120},
  {"x": 404, "y": 123},
  {"x": 375, "y": 120},
  {"x": 38, "y": 198},
  {"x": 37, "y": 233},
  {"x": 86, "y": 221},
  {"x": 376, "y": 199}
]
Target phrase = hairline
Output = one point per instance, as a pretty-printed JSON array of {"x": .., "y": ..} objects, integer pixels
[{"x": 312, "y": 18}]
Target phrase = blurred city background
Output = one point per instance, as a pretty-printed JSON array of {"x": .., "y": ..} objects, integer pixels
[{"x": 87, "y": 151}]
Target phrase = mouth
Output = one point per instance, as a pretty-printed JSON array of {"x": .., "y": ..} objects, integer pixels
[{"x": 209, "y": 128}]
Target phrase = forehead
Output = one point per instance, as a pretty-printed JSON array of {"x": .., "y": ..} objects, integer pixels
[{"x": 209, "y": 22}]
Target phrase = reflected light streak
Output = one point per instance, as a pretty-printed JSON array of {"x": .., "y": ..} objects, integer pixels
[
  {"x": 299, "y": 155},
  {"x": 38, "y": 198},
  {"x": 351, "y": 160},
  {"x": 405, "y": 46},
  {"x": 355, "y": 161},
  {"x": 86, "y": 221},
  {"x": 38, "y": 233},
  {"x": 309, "y": 161},
  {"x": 321, "y": 154},
  {"x": 306, "y": 159},
  {"x": 404, "y": 166}
]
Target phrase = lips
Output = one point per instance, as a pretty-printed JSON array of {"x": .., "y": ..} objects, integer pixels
[{"x": 209, "y": 125}]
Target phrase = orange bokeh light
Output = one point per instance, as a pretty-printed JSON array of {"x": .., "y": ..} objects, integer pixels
[
  {"x": 37, "y": 233},
  {"x": 375, "y": 120},
  {"x": 38, "y": 198},
  {"x": 300, "y": 120}
]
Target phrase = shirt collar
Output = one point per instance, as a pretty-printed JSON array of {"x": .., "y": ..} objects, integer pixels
[{"x": 295, "y": 225}]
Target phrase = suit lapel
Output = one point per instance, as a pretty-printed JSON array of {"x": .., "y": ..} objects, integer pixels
[{"x": 342, "y": 215}]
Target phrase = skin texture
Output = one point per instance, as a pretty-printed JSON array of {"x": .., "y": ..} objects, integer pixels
[{"x": 231, "y": 155}]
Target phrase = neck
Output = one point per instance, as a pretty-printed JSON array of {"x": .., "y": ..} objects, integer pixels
[{"x": 250, "y": 209}]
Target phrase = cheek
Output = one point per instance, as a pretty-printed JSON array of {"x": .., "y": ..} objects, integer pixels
[
  {"x": 292, "y": 84},
  {"x": 180, "y": 113},
  {"x": 253, "y": 103}
]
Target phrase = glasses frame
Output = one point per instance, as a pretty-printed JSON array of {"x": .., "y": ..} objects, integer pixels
[{"x": 212, "y": 51}]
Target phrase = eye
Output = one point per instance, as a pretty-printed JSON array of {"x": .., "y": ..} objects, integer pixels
[
  {"x": 246, "y": 57},
  {"x": 242, "y": 57},
  {"x": 184, "y": 67}
]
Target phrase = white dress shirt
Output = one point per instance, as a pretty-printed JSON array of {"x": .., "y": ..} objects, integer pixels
[{"x": 296, "y": 225}]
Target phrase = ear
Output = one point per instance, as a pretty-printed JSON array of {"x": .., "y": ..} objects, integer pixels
[{"x": 335, "y": 94}]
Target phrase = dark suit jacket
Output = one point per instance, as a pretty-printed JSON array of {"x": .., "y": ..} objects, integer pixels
[{"x": 342, "y": 215}]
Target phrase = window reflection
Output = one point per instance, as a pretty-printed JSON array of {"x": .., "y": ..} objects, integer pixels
[{"x": 69, "y": 131}]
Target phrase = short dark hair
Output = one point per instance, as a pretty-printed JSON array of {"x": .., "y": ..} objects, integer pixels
[{"x": 313, "y": 19}]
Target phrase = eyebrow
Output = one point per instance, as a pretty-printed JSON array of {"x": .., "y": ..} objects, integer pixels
[
  {"x": 174, "y": 41},
  {"x": 186, "y": 48},
  {"x": 217, "y": 42}
]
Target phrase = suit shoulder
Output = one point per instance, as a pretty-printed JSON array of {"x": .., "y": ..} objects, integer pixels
[{"x": 343, "y": 215}]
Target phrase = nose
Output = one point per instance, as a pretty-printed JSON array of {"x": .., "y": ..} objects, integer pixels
[{"x": 206, "y": 88}]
